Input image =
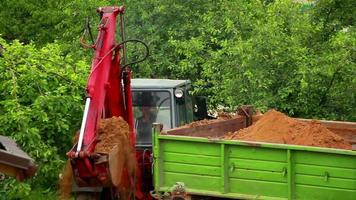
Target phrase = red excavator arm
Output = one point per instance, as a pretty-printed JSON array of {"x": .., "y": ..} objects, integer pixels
[{"x": 108, "y": 95}]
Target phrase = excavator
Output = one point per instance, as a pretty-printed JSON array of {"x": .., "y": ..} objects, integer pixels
[{"x": 111, "y": 92}]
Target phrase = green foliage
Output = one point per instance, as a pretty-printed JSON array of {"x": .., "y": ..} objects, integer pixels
[
  {"x": 46, "y": 21},
  {"x": 334, "y": 15},
  {"x": 40, "y": 107},
  {"x": 265, "y": 53},
  {"x": 22, "y": 191}
]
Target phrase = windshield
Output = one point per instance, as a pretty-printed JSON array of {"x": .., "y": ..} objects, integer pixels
[{"x": 150, "y": 107}]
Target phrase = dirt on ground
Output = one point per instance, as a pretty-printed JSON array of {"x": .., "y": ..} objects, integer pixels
[
  {"x": 114, "y": 140},
  {"x": 276, "y": 127},
  {"x": 66, "y": 181}
]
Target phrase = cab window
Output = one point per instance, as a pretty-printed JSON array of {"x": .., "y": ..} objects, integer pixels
[{"x": 150, "y": 107}]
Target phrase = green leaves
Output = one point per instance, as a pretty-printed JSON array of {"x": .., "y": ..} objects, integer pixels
[
  {"x": 267, "y": 55},
  {"x": 41, "y": 105}
]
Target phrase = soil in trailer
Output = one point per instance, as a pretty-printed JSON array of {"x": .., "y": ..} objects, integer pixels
[
  {"x": 276, "y": 127},
  {"x": 220, "y": 117}
]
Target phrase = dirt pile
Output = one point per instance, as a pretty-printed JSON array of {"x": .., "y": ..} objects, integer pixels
[
  {"x": 114, "y": 140},
  {"x": 275, "y": 127},
  {"x": 112, "y": 132},
  {"x": 66, "y": 181},
  {"x": 66, "y": 177}
]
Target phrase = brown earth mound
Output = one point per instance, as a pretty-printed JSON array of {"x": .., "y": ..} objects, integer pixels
[
  {"x": 114, "y": 140},
  {"x": 112, "y": 132},
  {"x": 65, "y": 182},
  {"x": 275, "y": 127}
]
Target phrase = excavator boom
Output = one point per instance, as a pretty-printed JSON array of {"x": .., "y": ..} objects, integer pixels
[{"x": 108, "y": 95}]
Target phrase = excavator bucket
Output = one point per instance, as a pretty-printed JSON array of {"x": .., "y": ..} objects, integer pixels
[
  {"x": 114, "y": 141},
  {"x": 15, "y": 162}
]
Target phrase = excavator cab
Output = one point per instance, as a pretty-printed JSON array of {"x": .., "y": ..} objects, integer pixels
[
  {"x": 163, "y": 101},
  {"x": 160, "y": 100}
]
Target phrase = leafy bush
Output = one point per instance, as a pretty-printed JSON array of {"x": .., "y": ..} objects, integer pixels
[{"x": 41, "y": 93}]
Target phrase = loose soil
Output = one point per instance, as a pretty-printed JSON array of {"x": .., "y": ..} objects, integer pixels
[
  {"x": 65, "y": 182},
  {"x": 221, "y": 116},
  {"x": 114, "y": 140},
  {"x": 276, "y": 127},
  {"x": 200, "y": 123},
  {"x": 225, "y": 115},
  {"x": 112, "y": 132}
]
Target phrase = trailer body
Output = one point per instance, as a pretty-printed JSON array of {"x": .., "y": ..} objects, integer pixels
[{"x": 209, "y": 166}]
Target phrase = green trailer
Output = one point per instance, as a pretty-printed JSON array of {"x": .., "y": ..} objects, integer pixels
[{"x": 212, "y": 167}]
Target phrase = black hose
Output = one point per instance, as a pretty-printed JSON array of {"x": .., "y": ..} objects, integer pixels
[
  {"x": 114, "y": 48},
  {"x": 137, "y": 41},
  {"x": 88, "y": 27}
]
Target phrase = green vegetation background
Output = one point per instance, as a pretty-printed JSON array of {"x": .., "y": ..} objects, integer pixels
[{"x": 297, "y": 58}]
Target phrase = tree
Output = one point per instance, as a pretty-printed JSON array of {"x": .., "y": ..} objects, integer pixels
[{"x": 41, "y": 95}]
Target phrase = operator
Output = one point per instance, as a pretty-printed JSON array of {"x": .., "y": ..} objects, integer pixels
[{"x": 143, "y": 124}]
